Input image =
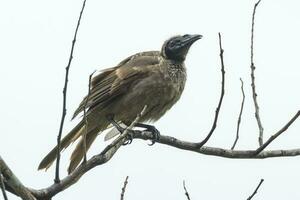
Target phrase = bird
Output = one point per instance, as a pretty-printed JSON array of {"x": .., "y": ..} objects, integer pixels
[{"x": 155, "y": 79}]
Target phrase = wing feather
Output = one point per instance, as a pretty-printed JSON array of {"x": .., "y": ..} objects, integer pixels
[{"x": 116, "y": 81}]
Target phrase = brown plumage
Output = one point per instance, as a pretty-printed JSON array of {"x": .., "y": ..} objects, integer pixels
[{"x": 154, "y": 78}]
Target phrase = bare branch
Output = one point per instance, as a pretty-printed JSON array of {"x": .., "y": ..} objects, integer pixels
[
  {"x": 77, "y": 173},
  {"x": 124, "y": 188},
  {"x": 255, "y": 191},
  {"x": 273, "y": 137},
  {"x": 13, "y": 182},
  {"x": 96, "y": 160},
  {"x": 9, "y": 189},
  {"x": 109, "y": 152},
  {"x": 214, "y": 151},
  {"x": 84, "y": 116},
  {"x": 64, "y": 110},
  {"x": 186, "y": 192},
  {"x": 3, "y": 186},
  {"x": 200, "y": 144},
  {"x": 240, "y": 115},
  {"x": 254, "y": 93}
]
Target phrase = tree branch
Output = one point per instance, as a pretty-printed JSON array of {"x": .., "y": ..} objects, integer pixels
[
  {"x": 77, "y": 173},
  {"x": 124, "y": 188},
  {"x": 186, "y": 192},
  {"x": 200, "y": 144},
  {"x": 255, "y": 191},
  {"x": 254, "y": 93},
  {"x": 273, "y": 137},
  {"x": 96, "y": 160},
  {"x": 215, "y": 151},
  {"x": 2, "y": 186},
  {"x": 13, "y": 182},
  {"x": 109, "y": 152},
  {"x": 240, "y": 115},
  {"x": 64, "y": 110}
]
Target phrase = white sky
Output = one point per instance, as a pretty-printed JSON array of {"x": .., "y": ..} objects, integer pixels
[{"x": 35, "y": 38}]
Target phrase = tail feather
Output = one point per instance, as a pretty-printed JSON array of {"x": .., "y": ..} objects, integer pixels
[
  {"x": 65, "y": 142},
  {"x": 78, "y": 153}
]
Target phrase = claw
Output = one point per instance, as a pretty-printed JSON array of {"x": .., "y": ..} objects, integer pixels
[
  {"x": 153, "y": 130},
  {"x": 155, "y": 135},
  {"x": 129, "y": 138}
]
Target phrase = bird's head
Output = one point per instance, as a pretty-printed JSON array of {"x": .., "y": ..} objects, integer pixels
[{"x": 177, "y": 47}]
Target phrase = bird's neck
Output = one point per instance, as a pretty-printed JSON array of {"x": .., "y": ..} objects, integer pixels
[{"x": 176, "y": 70}]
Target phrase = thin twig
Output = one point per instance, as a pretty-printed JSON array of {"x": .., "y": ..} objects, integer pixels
[
  {"x": 186, "y": 192},
  {"x": 240, "y": 115},
  {"x": 273, "y": 137},
  {"x": 254, "y": 93},
  {"x": 64, "y": 110},
  {"x": 255, "y": 191},
  {"x": 3, "y": 186},
  {"x": 84, "y": 116},
  {"x": 200, "y": 144},
  {"x": 124, "y": 188}
]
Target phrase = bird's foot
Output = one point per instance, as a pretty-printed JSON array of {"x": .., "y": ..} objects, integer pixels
[
  {"x": 155, "y": 135},
  {"x": 152, "y": 129},
  {"x": 128, "y": 137}
]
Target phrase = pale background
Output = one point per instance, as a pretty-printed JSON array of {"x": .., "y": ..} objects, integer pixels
[{"x": 35, "y": 41}]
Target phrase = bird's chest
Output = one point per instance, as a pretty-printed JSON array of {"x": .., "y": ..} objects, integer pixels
[
  {"x": 176, "y": 76},
  {"x": 169, "y": 92}
]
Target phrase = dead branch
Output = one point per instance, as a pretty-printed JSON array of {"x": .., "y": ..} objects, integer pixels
[
  {"x": 124, "y": 188},
  {"x": 64, "y": 110},
  {"x": 221, "y": 97},
  {"x": 273, "y": 137},
  {"x": 77, "y": 173},
  {"x": 186, "y": 192},
  {"x": 240, "y": 116},
  {"x": 255, "y": 191},
  {"x": 254, "y": 93},
  {"x": 109, "y": 152},
  {"x": 13, "y": 182},
  {"x": 2, "y": 185},
  {"x": 215, "y": 151},
  {"x": 96, "y": 160}
]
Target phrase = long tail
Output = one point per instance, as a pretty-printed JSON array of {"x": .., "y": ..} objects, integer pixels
[
  {"x": 78, "y": 152},
  {"x": 74, "y": 134}
]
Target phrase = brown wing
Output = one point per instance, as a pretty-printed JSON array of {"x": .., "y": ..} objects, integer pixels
[{"x": 113, "y": 82}]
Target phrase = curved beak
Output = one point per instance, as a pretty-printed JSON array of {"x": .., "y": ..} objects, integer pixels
[{"x": 190, "y": 39}]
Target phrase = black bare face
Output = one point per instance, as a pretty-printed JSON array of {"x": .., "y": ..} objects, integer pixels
[{"x": 177, "y": 47}]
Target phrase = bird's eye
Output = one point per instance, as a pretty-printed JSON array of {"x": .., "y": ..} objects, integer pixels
[
  {"x": 172, "y": 43},
  {"x": 176, "y": 41}
]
